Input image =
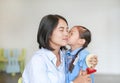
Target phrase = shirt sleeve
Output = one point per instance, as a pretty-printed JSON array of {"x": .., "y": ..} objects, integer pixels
[
  {"x": 36, "y": 72},
  {"x": 82, "y": 59}
]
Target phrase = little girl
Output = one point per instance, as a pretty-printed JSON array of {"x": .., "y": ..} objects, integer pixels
[{"x": 79, "y": 38}]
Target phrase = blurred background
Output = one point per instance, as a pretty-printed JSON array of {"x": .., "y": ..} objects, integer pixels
[{"x": 19, "y": 21}]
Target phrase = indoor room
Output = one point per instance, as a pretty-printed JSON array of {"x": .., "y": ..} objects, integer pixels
[{"x": 19, "y": 22}]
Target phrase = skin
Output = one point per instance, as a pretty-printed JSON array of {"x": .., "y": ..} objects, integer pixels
[
  {"x": 83, "y": 77},
  {"x": 74, "y": 39}
]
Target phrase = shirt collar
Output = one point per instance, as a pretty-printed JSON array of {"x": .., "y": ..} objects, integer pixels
[
  {"x": 51, "y": 55},
  {"x": 69, "y": 52}
]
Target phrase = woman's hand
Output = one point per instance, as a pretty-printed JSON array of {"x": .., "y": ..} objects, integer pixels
[{"x": 83, "y": 77}]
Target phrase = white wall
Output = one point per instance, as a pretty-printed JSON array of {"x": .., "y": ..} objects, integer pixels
[{"x": 19, "y": 20}]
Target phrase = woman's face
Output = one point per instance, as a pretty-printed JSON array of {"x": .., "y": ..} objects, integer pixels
[{"x": 59, "y": 36}]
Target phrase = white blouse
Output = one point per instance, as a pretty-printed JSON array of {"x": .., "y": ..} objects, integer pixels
[{"x": 42, "y": 68}]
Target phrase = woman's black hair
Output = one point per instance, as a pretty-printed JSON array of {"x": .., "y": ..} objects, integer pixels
[
  {"x": 84, "y": 34},
  {"x": 46, "y": 27}
]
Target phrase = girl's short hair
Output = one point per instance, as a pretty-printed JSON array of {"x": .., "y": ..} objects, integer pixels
[{"x": 46, "y": 27}]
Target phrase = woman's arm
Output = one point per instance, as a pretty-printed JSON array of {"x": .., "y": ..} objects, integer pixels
[{"x": 35, "y": 72}]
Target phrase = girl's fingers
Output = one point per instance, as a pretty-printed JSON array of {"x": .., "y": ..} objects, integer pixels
[{"x": 82, "y": 72}]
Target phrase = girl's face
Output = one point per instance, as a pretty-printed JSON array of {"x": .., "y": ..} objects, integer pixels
[
  {"x": 59, "y": 36},
  {"x": 73, "y": 36}
]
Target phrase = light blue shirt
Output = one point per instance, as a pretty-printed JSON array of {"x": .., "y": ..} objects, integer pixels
[
  {"x": 80, "y": 64},
  {"x": 42, "y": 68}
]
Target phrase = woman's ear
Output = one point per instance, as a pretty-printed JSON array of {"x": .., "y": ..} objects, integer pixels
[{"x": 82, "y": 41}]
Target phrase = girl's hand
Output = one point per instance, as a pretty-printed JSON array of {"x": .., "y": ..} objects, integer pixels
[{"x": 83, "y": 77}]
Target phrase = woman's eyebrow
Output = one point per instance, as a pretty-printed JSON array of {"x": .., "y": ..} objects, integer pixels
[{"x": 64, "y": 27}]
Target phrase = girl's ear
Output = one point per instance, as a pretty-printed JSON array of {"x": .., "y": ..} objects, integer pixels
[{"x": 82, "y": 41}]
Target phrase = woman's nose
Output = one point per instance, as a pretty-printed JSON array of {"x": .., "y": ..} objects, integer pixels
[{"x": 66, "y": 33}]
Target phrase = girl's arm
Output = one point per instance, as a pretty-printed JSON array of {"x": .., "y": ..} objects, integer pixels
[{"x": 83, "y": 77}]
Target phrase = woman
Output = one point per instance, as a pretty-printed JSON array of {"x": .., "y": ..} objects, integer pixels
[{"x": 48, "y": 65}]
